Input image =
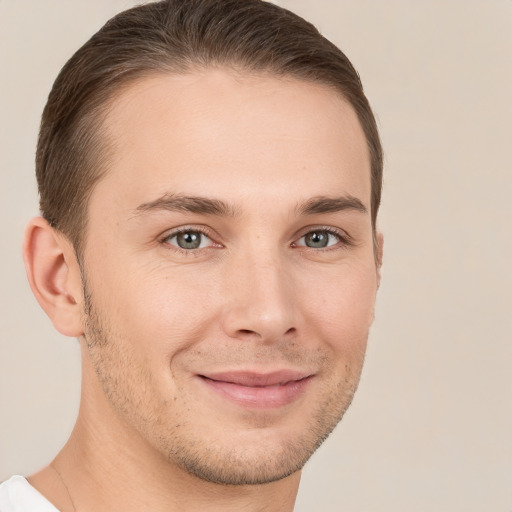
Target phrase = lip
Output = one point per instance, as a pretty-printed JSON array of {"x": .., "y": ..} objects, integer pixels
[{"x": 259, "y": 390}]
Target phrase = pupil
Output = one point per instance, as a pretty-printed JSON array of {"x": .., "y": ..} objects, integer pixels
[
  {"x": 317, "y": 239},
  {"x": 189, "y": 240}
]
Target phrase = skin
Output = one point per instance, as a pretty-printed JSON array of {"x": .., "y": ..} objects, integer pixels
[{"x": 154, "y": 319}]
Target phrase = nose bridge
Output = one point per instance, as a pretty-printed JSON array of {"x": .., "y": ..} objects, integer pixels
[{"x": 260, "y": 300}]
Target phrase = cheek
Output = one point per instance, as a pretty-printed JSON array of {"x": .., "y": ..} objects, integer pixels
[
  {"x": 158, "y": 311},
  {"x": 341, "y": 305}
]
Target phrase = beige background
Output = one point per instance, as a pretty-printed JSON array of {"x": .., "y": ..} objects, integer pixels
[{"x": 431, "y": 426}]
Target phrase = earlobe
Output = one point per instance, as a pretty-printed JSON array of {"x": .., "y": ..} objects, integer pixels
[{"x": 54, "y": 276}]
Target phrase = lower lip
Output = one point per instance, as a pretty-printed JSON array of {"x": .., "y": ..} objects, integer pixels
[{"x": 259, "y": 396}]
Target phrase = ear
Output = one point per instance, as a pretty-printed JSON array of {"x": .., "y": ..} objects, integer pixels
[
  {"x": 54, "y": 275},
  {"x": 379, "y": 248}
]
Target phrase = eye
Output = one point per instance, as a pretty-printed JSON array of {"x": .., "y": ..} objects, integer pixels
[
  {"x": 319, "y": 239},
  {"x": 189, "y": 240}
]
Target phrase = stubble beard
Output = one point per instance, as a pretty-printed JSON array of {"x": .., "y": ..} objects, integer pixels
[{"x": 130, "y": 387}]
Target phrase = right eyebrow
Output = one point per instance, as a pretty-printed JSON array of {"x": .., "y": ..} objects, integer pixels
[{"x": 191, "y": 204}]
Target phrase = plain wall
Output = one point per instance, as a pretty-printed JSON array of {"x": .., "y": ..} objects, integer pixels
[{"x": 431, "y": 424}]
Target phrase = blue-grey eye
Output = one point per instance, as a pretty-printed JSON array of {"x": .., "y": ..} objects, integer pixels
[
  {"x": 189, "y": 240},
  {"x": 319, "y": 239}
]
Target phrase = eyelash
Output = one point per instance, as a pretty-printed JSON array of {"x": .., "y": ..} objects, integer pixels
[
  {"x": 189, "y": 229},
  {"x": 343, "y": 238}
]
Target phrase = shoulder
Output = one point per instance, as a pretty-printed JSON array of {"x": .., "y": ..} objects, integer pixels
[{"x": 17, "y": 495}]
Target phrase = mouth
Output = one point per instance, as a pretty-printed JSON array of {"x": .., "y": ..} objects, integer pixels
[{"x": 258, "y": 390}]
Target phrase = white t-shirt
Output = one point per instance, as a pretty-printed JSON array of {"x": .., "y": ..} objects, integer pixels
[{"x": 17, "y": 495}]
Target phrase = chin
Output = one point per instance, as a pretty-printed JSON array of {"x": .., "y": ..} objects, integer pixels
[
  {"x": 252, "y": 456},
  {"x": 237, "y": 469}
]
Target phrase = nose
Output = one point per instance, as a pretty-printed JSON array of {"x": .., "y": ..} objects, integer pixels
[{"x": 259, "y": 300}]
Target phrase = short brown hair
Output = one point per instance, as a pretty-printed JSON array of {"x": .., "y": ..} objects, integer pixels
[{"x": 175, "y": 36}]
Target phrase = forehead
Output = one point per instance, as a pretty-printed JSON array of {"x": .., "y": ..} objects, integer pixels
[{"x": 217, "y": 132}]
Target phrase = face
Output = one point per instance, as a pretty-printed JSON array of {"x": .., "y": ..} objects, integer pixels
[{"x": 229, "y": 271}]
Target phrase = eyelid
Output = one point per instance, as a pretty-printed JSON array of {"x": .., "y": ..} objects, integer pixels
[
  {"x": 209, "y": 233},
  {"x": 344, "y": 238}
]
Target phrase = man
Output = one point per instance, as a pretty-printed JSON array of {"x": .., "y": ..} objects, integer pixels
[{"x": 209, "y": 174}]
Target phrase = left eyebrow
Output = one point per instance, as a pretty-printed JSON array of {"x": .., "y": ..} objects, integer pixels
[
  {"x": 325, "y": 204},
  {"x": 190, "y": 204}
]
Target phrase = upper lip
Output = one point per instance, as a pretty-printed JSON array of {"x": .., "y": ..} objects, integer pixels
[{"x": 257, "y": 379}]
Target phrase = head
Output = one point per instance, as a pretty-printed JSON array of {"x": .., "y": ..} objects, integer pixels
[
  {"x": 210, "y": 171},
  {"x": 175, "y": 37}
]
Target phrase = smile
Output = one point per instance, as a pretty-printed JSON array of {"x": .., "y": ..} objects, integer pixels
[{"x": 258, "y": 390}]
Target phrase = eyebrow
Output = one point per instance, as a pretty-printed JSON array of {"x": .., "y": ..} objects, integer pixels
[
  {"x": 209, "y": 206},
  {"x": 324, "y": 204},
  {"x": 190, "y": 204}
]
